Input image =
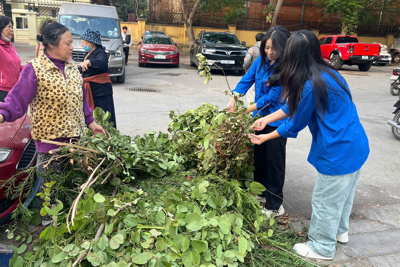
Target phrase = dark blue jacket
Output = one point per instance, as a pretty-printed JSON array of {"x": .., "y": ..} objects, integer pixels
[{"x": 99, "y": 64}]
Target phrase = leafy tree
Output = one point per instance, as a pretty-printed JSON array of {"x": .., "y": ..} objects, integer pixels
[
  {"x": 232, "y": 10},
  {"x": 352, "y": 12},
  {"x": 126, "y": 7}
]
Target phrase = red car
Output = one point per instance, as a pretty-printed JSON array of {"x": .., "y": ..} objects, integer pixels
[
  {"x": 158, "y": 49},
  {"x": 17, "y": 153}
]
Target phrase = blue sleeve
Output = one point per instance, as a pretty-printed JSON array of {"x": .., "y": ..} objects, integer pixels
[
  {"x": 248, "y": 79},
  {"x": 273, "y": 96},
  {"x": 300, "y": 120},
  {"x": 285, "y": 108}
]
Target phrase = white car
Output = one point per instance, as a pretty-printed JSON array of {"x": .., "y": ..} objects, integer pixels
[{"x": 385, "y": 57}]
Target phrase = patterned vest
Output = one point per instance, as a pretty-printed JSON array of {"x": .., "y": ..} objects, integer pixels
[{"x": 57, "y": 108}]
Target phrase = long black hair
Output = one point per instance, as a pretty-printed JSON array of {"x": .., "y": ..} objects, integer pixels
[
  {"x": 51, "y": 34},
  {"x": 302, "y": 62},
  {"x": 278, "y": 35},
  {"x": 4, "y": 21}
]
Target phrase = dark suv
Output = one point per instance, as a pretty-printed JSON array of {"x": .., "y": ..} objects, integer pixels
[{"x": 221, "y": 48}]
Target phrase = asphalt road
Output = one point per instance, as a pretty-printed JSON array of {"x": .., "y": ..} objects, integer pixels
[{"x": 375, "y": 222}]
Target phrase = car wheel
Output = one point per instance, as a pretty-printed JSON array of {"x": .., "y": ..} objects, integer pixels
[
  {"x": 336, "y": 61},
  {"x": 192, "y": 63},
  {"x": 365, "y": 66},
  {"x": 396, "y": 58},
  {"x": 121, "y": 79}
]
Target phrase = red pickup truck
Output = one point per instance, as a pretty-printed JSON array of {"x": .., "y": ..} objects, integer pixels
[{"x": 340, "y": 49}]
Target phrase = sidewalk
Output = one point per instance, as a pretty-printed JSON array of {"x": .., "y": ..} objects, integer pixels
[{"x": 374, "y": 228}]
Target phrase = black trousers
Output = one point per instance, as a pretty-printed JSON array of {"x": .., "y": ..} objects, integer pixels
[
  {"x": 269, "y": 163},
  {"x": 126, "y": 52}
]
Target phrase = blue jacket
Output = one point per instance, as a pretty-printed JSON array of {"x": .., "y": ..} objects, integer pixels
[
  {"x": 339, "y": 142},
  {"x": 264, "y": 94}
]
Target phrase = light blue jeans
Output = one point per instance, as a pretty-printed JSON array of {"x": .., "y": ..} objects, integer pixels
[{"x": 332, "y": 202}]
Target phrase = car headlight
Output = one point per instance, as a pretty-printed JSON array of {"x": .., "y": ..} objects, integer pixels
[
  {"x": 118, "y": 52},
  {"x": 174, "y": 52},
  {"x": 144, "y": 51},
  {"x": 208, "y": 51},
  {"x": 4, "y": 153}
]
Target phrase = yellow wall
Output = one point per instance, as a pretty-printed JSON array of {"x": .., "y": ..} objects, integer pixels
[{"x": 179, "y": 35}]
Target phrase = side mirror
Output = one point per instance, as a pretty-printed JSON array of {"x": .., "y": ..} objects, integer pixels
[
  {"x": 176, "y": 44},
  {"x": 139, "y": 42},
  {"x": 243, "y": 43}
]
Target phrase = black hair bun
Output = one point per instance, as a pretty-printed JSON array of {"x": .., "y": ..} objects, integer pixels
[{"x": 39, "y": 37}]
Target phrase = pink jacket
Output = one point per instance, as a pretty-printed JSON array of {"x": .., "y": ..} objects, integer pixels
[{"x": 10, "y": 66}]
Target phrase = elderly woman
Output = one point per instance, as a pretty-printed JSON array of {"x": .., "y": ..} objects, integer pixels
[
  {"x": 10, "y": 64},
  {"x": 53, "y": 89},
  {"x": 95, "y": 73}
]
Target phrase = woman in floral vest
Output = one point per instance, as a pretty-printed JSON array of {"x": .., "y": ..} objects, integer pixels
[{"x": 53, "y": 89}]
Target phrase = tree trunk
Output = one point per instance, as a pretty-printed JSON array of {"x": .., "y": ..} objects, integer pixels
[
  {"x": 276, "y": 13},
  {"x": 189, "y": 17},
  {"x": 345, "y": 29}
]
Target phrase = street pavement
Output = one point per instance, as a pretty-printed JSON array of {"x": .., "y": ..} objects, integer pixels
[{"x": 375, "y": 220}]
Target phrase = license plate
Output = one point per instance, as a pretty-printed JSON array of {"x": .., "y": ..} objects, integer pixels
[
  {"x": 228, "y": 61},
  {"x": 159, "y": 57},
  {"x": 364, "y": 57}
]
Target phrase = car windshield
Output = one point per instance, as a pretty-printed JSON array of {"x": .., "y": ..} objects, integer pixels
[
  {"x": 158, "y": 40},
  {"x": 108, "y": 28},
  {"x": 215, "y": 38}
]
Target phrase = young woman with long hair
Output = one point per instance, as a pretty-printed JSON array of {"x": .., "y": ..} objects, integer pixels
[
  {"x": 269, "y": 158},
  {"x": 318, "y": 97}
]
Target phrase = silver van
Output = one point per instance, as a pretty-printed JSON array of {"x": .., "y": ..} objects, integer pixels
[{"x": 78, "y": 17}]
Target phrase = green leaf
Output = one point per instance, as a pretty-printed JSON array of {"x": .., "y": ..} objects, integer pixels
[
  {"x": 47, "y": 233},
  {"x": 99, "y": 198},
  {"x": 116, "y": 240},
  {"x": 182, "y": 242},
  {"x": 242, "y": 245},
  {"x": 130, "y": 221},
  {"x": 21, "y": 249},
  {"x": 142, "y": 258},
  {"x": 191, "y": 258},
  {"x": 256, "y": 188},
  {"x": 199, "y": 245},
  {"x": 102, "y": 243},
  {"x": 229, "y": 254},
  {"x": 59, "y": 257}
]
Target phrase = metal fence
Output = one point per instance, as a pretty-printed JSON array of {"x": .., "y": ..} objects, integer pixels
[{"x": 260, "y": 23}]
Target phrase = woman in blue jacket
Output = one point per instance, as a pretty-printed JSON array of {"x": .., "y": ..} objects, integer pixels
[
  {"x": 319, "y": 97},
  {"x": 269, "y": 158}
]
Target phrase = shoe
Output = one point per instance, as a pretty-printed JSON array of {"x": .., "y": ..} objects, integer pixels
[
  {"x": 261, "y": 199},
  {"x": 275, "y": 213},
  {"x": 303, "y": 250},
  {"x": 343, "y": 238}
]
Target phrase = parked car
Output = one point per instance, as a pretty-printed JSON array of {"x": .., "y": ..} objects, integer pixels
[
  {"x": 152, "y": 33},
  {"x": 78, "y": 17},
  {"x": 158, "y": 49},
  {"x": 221, "y": 48},
  {"x": 395, "y": 51},
  {"x": 17, "y": 153},
  {"x": 384, "y": 56},
  {"x": 340, "y": 49}
]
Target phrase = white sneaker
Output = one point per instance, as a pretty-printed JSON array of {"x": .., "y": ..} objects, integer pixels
[
  {"x": 261, "y": 199},
  {"x": 343, "y": 238},
  {"x": 303, "y": 250},
  {"x": 275, "y": 213}
]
